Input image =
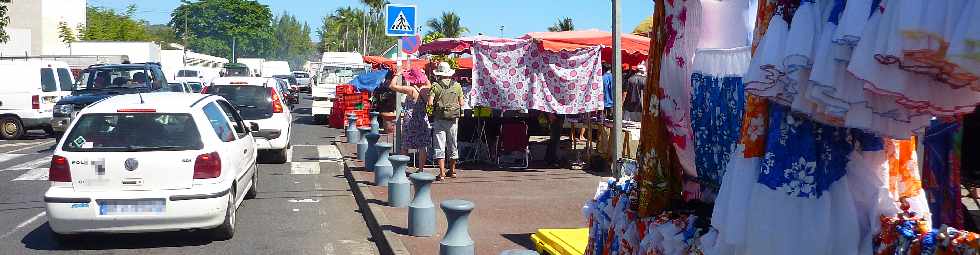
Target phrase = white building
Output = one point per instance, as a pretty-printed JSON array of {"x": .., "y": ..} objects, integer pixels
[{"x": 41, "y": 18}]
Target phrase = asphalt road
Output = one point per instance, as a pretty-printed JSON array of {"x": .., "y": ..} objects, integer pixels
[{"x": 303, "y": 207}]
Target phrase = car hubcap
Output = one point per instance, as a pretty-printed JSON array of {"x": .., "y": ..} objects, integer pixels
[{"x": 9, "y": 128}]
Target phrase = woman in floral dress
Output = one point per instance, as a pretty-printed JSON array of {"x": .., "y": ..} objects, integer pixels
[{"x": 416, "y": 131}]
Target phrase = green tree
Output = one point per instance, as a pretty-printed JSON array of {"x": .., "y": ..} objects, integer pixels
[
  {"x": 214, "y": 25},
  {"x": 352, "y": 29},
  {"x": 292, "y": 40},
  {"x": 163, "y": 35},
  {"x": 66, "y": 34},
  {"x": 104, "y": 24},
  {"x": 448, "y": 25},
  {"x": 563, "y": 24},
  {"x": 4, "y": 20}
]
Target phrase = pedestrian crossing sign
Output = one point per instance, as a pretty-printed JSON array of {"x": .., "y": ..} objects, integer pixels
[{"x": 400, "y": 20}]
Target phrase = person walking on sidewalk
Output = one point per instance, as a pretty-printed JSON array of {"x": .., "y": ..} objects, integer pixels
[
  {"x": 446, "y": 100},
  {"x": 416, "y": 130}
]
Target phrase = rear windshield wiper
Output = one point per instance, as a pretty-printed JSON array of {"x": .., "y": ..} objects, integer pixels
[{"x": 247, "y": 106}]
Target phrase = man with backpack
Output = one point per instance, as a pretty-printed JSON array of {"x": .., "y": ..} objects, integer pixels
[{"x": 446, "y": 100}]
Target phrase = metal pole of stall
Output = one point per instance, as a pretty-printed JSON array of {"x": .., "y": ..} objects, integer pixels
[{"x": 617, "y": 69}]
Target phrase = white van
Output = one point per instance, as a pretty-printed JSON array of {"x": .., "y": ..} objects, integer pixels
[{"x": 28, "y": 93}]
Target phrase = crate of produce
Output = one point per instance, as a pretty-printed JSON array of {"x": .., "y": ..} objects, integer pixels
[
  {"x": 344, "y": 89},
  {"x": 561, "y": 241}
]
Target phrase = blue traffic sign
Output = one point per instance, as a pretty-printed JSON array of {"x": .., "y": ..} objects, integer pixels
[{"x": 400, "y": 20}]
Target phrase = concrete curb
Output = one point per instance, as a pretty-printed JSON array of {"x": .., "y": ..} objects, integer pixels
[{"x": 386, "y": 240}]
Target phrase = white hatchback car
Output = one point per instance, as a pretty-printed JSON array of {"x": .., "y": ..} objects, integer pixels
[
  {"x": 261, "y": 102},
  {"x": 152, "y": 162}
]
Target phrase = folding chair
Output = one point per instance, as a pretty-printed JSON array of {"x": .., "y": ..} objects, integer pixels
[{"x": 513, "y": 138}]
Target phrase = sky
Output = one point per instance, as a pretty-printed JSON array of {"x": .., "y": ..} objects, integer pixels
[{"x": 480, "y": 16}]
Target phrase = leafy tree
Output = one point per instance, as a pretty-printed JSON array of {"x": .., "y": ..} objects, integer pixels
[
  {"x": 563, "y": 24},
  {"x": 448, "y": 25},
  {"x": 292, "y": 40},
  {"x": 66, "y": 34},
  {"x": 4, "y": 20},
  {"x": 352, "y": 29},
  {"x": 214, "y": 25},
  {"x": 104, "y": 24},
  {"x": 163, "y": 34},
  {"x": 431, "y": 37},
  {"x": 644, "y": 27}
]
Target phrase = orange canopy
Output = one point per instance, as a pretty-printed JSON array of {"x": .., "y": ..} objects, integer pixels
[
  {"x": 570, "y": 40},
  {"x": 378, "y": 61}
]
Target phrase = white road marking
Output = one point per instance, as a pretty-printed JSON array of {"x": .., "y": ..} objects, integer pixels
[
  {"x": 21, "y": 144},
  {"x": 30, "y": 165},
  {"x": 23, "y": 224},
  {"x": 32, "y": 146},
  {"x": 295, "y": 210},
  {"x": 8, "y": 156},
  {"x": 329, "y": 153},
  {"x": 304, "y": 168},
  {"x": 36, "y": 174},
  {"x": 305, "y": 200}
]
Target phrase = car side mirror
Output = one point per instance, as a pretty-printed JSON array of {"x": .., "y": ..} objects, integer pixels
[{"x": 254, "y": 126}]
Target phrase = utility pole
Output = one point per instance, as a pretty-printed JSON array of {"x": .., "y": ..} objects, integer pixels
[
  {"x": 185, "y": 37},
  {"x": 617, "y": 70},
  {"x": 501, "y": 31}
]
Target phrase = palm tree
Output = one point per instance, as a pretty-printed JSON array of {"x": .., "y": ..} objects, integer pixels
[
  {"x": 563, "y": 24},
  {"x": 448, "y": 25}
]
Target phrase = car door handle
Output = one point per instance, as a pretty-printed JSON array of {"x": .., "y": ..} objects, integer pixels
[{"x": 245, "y": 151}]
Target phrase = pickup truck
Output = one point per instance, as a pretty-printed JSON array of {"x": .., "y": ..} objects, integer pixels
[{"x": 103, "y": 81}]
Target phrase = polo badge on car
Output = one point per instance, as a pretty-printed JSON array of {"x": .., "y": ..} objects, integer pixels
[{"x": 131, "y": 164}]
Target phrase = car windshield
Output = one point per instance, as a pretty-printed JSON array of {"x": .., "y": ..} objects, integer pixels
[
  {"x": 117, "y": 77},
  {"x": 339, "y": 75},
  {"x": 127, "y": 132},
  {"x": 254, "y": 102}
]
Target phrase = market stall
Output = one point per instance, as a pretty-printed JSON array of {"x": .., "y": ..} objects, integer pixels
[{"x": 812, "y": 130}]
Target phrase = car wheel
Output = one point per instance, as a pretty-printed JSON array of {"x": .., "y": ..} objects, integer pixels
[
  {"x": 11, "y": 128},
  {"x": 227, "y": 229},
  {"x": 254, "y": 190}
]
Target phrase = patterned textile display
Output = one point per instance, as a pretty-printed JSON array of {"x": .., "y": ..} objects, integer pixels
[
  {"x": 682, "y": 27},
  {"x": 908, "y": 234},
  {"x": 659, "y": 178},
  {"x": 521, "y": 75},
  {"x": 716, "y": 114},
  {"x": 941, "y": 173}
]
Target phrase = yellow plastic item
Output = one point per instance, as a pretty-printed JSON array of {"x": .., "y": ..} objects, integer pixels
[{"x": 561, "y": 241}]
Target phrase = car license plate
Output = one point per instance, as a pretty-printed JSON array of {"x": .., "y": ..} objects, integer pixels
[{"x": 131, "y": 206}]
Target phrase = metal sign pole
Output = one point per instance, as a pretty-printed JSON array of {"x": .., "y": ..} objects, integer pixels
[
  {"x": 399, "y": 98},
  {"x": 617, "y": 68}
]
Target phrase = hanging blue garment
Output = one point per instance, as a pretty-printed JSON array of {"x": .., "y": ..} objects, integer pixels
[
  {"x": 803, "y": 157},
  {"x": 717, "y": 108},
  {"x": 369, "y": 80}
]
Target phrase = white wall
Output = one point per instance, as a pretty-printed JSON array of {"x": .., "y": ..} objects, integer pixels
[
  {"x": 42, "y": 17},
  {"x": 138, "y": 52},
  {"x": 19, "y": 43}
]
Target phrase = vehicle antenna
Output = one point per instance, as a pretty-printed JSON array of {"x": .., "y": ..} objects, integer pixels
[{"x": 141, "y": 98}]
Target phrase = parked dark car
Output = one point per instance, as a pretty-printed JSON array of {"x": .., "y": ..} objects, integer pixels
[{"x": 98, "y": 82}]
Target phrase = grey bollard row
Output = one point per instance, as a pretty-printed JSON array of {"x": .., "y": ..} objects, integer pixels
[
  {"x": 362, "y": 145},
  {"x": 421, "y": 212},
  {"x": 371, "y": 156},
  {"x": 382, "y": 168},
  {"x": 375, "y": 125},
  {"x": 399, "y": 193},
  {"x": 352, "y": 133},
  {"x": 457, "y": 240}
]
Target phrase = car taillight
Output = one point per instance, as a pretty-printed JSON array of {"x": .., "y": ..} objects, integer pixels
[
  {"x": 59, "y": 170},
  {"x": 204, "y": 90},
  {"x": 207, "y": 166},
  {"x": 35, "y": 102},
  {"x": 276, "y": 103}
]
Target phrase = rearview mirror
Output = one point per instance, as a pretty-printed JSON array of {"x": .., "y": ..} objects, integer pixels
[{"x": 254, "y": 126}]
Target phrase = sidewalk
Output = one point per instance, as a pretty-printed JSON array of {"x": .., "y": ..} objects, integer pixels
[{"x": 510, "y": 204}]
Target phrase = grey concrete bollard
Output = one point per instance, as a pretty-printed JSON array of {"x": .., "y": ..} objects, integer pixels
[
  {"x": 457, "y": 239},
  {"x": 421, "y": 212},
  {"x": 382, "y": 168},
  {"x": 362, "y": 144},
  {"x": 399, "y": 193},
  {"x": 375, "y": 125},
  {"x": 352, "y": 133},
  {"x": 371, "y": 156}
]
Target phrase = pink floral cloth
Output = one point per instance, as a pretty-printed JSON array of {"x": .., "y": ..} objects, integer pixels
[{"x": 521, "y": 75}]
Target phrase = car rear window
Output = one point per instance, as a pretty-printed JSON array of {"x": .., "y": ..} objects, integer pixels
[
  {"x": 64, "y": 79},
  {"x": 125, "y": 132},
  {"x": 186, "y": 73},
  {"x": 254, "y": 102},
  {"x": 48, "y": 83},
  {"x": 195, "y": 87}
]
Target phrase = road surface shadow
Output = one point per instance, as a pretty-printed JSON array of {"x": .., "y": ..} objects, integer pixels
[
  {"x": 523, "y": 240},
  {"x": 42, "y": 238}
]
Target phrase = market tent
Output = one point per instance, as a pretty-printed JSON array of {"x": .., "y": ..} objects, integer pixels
[
  {"x": 455, "y": 45},
  {"x": 634, "y": 47},
  {"x": 464, "y": 63},
  {"x": 378, "y": 61}
]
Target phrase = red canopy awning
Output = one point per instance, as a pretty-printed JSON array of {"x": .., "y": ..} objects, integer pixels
[
  {"x": 464, "y": 63},
  {"x": 570, "y": 40},
  {"x": 378, "y": 61},
  {"x": 455, "y": 45}
]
